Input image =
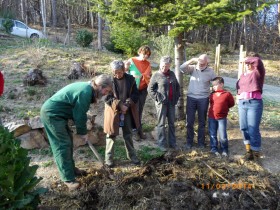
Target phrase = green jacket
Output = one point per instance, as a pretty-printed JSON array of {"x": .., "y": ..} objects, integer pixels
[{"x": 71, "y": 102}]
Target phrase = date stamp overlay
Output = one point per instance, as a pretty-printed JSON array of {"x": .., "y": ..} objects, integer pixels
[{"x": 226, "y": 186}]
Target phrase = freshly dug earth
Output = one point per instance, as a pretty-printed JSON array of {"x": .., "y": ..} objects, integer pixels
[{"x": 176, "y": 180}]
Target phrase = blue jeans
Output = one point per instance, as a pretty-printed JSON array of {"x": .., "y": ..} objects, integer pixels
[
  {"x": 218, "y": 126},
  {"x": 166, "y": 111},
  {"x": 250, "y": 115},
  {"x": 201, "y": 106}
]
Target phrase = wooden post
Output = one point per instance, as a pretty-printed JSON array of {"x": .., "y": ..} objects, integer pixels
[
  {"x": 241, "y": 67},
  {"x": 217, "y": 60}
]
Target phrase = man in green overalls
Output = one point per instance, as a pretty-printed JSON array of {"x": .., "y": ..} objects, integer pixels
[{"x": 71, "y": 102}]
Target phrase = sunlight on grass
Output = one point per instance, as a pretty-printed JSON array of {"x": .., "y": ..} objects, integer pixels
[
  {"x": 271, "y": 115},
  {"x": 146, "y": 153},
  {"x": 47, "y": 163}
]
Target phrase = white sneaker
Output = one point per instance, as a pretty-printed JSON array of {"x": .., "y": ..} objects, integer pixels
[
  {"x": 217, "y": 155},
  {"x": 72, "y": 185},
  {"x": 224, "y": 154}
]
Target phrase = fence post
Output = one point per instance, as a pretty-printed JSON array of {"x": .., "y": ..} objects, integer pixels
[
  {"x": 217, "y": 60},
  {"x": 241, "y": 67}
]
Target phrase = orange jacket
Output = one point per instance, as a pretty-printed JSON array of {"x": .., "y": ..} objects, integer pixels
[{"x": 145, "y": 69}]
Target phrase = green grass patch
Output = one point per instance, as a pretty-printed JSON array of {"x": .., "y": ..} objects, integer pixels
[
  {"x": 146, "y": 153},
  {"x": 148, "y": 127},
  {"x": 47, "y": 164},
  {"x": 271, "y": 115},
  {"x": 43, "y": 152}
]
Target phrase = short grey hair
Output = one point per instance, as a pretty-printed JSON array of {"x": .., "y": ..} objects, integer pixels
[
  {"x": 166, "y": 59},
  {"x": 117, "y": 65},
  {"x": 204, "y": 57},
  {"x": 102, "y": 80}
]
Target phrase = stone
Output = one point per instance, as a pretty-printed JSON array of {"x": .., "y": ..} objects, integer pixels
[
  {"x": 34, "y": 139},
  {"x": 35, "y": 122},
  {"x": 17, "y": 128}
]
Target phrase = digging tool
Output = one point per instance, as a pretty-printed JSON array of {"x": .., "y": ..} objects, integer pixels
[
  {"x": 99, "y": 158},
  {"x": 107, "y": 169}
]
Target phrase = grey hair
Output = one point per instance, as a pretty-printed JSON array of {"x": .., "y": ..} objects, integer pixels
[
  {"x": 117, "y": 65},
  {"x": 204, "y": 57},
  {"x": 102, "y": 80},
  {"x": 166, "y": 59}
]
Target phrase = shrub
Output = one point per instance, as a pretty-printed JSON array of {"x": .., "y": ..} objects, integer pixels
[
  {"x": 17, "y": 178},
  {"x": 163, "y": 45},
  {"x": 84, "y": 37},
  {"x": 110, "y": 45},
  {"x": 127, "y": 38},
  {"x": 8, "y": 25}
]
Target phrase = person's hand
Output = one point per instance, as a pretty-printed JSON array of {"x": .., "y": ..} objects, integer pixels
[
  {"x": 127, "y": 65},
  {"x": 84, "y": 137},
  {"x": 194, "y": 60},
  {"x": 124, "y": 109},
  {"x": 128, "y": 101}
]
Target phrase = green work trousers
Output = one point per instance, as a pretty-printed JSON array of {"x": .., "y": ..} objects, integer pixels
[{"x": 61, "y": 142}]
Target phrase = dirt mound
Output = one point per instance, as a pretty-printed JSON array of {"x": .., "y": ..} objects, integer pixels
[{"x": 175, "y": 180}]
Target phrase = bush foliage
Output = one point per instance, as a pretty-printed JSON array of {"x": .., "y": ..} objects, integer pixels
[
  {"x": 84, "y": 37},
  {"x": 8, "y": 24},
  {"x": 128, "y": 39},
  {"x": 163, "y": 45},
  {"x": 17, "y": 178}
]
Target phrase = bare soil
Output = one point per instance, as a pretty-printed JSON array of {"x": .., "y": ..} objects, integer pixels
[{"x": 176, "y": 180}]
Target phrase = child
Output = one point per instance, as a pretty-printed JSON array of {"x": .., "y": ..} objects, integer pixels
[{"x": 220, "y": 102}]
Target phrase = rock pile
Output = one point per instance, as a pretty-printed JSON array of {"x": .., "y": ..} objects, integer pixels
[{"x": 32, "y": 136}]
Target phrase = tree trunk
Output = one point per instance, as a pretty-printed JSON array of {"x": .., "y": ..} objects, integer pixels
[
  {"x": 44, "y": 16},
  {"x": 23, "y": 9},
  {"x": 179, "y": 56},
  {"x": 54, "y": 18},
  {"x": 279, "y": 19},
  {"x": 99, "y": 47}
]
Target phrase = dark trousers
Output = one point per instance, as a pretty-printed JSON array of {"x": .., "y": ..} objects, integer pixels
[
  {"x": 201, "y": 106},
  {"x": 141, "y": 103},
  {"x": 128, "y": 142}
]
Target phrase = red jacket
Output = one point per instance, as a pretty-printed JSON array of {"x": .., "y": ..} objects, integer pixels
[
  {"x": 1, "y": 83},
  {"x": 220, "y": 102}
]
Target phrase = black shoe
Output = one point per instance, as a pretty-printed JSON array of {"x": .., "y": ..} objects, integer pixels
[
  {"x": 174, "y": 148},
  {"x": 79, "y": 172},
  {"x": 142, "y": 135},
  {"x": 110, "y": 164},
  {"x": 135, "y": 161},
  {"x": 188, "y": 147}
]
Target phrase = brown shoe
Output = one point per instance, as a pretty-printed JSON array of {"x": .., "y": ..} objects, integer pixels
[
  {"x": 142, "y": 135},
  {"x": 248, "y": 155},
  {"x": 256, "y": 155},
  {"x": 72, "y": 185},
  {"x": 79, "y": 172}
]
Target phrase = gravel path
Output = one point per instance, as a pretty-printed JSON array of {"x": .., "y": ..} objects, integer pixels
[{"x": 270, "y": 92}]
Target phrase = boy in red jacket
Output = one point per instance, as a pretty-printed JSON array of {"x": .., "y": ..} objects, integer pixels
[{"x": 220, "y": 102}]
